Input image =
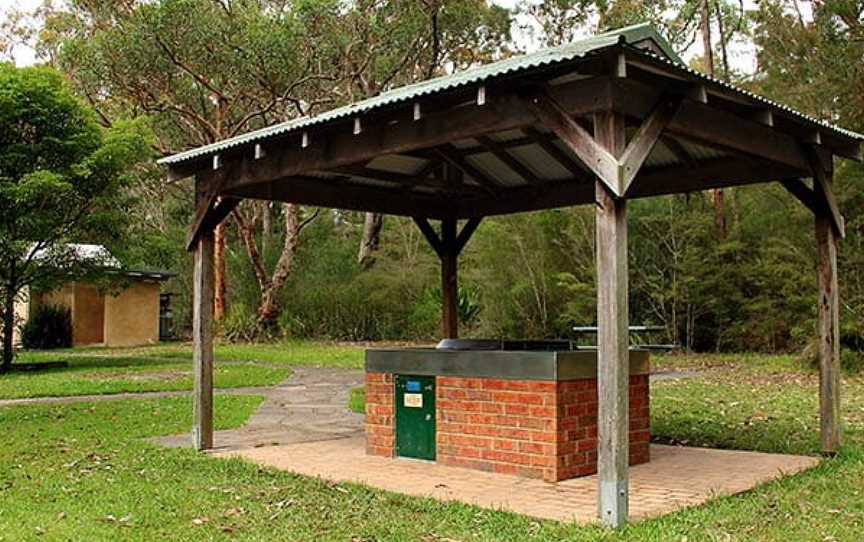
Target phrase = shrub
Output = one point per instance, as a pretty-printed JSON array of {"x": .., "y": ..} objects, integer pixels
[
  {"x": 240, "y": 324},
  {"x": 48, "y": 327}
]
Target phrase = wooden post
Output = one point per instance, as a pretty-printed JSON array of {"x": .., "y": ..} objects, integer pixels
[
  {"x": 202, "y": 342},
  {"x": 449, "y": 280},
  {"x": 829, "y": 334},
  {"x": 613, "y": 362}
]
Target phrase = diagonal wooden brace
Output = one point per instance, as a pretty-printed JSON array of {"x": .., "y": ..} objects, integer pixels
[
  {"x": 211, "y": 211},
  {"x": 646, "y": 137},
  {"x": 823, "y": 192},
  {"x": 597, "y": 159}
]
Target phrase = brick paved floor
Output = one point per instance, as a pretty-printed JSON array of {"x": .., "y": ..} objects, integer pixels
[{"x": 675, "y": 478}]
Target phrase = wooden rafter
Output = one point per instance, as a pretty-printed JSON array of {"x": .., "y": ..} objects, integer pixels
[
  {"x": 802, "y": 193},
  {"x": 453, "y": 158},
  {"x": 509, "y": 160},
  {"x": 550, "y": 148},
  {"x": 676, "y": 148}
]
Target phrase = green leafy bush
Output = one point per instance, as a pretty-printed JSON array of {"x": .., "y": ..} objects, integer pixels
[{"x": 49, "y": 327}]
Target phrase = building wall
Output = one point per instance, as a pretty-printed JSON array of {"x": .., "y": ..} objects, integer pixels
[
  {"x": 132, "y": 315},
  {"x": 88, "y": 315},
  {"x": 530, "y": 428}
]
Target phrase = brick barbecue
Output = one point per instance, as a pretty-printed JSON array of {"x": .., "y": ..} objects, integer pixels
[{"x": 521, "y": 412}]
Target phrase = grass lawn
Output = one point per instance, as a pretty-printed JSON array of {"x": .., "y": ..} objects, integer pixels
[
  {"x": 168, "y": 367},
  {"x": 81, "y": 471},
  {"x": 357, "y": 400}
]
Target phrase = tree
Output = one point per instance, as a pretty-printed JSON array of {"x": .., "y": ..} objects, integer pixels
[
  {"x": 203, "y": 70},
  {"x": 206, "y": 70},
  {"x": 62, "y": 180}
]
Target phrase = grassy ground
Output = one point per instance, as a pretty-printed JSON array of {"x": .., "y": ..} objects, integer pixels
[
  {"x": 82, "y": 472},
  {"x": 357, "y": 400},
  {"x": 167, "y": 367}
]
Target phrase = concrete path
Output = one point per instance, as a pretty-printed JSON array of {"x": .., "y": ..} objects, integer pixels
[{"x": 310, "y": 406}]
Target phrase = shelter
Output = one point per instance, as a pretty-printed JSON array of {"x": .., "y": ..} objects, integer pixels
[
  {"x": 600, "y": 121},
  {"x": 127, "y": 315}
]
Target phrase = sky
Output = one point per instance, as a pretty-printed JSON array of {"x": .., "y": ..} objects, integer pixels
[{"x": 742, "y": 56}]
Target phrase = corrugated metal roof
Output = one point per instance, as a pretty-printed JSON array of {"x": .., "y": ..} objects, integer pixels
[
  {"x": 766, "y": 101},
  {"x": 470, "y": 76},
  {"x": 547, "y": 57}
]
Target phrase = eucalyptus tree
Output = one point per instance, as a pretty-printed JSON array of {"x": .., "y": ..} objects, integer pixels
[
  {"x": 390, "y": 43},
  {"x": 203, "y": 70},
  {"x": 206, "y": 70}
]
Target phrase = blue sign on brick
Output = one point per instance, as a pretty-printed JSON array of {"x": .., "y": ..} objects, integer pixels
[{"x": 412, "y": 385}]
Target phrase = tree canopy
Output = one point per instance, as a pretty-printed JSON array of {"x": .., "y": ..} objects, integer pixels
[{"x": 62, "y": 181}]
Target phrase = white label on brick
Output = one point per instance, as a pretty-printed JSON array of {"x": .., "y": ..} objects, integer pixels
[{"x": 414, "y": 400}]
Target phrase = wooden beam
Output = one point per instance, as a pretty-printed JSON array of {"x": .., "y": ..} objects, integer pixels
[
  {"x": 334, "y": 145},
  {"x": 211, "y": 211},
  {"x": 406, "y": 180},
  {"x": 449, "y": 281},
  {"x": 824, "y": 193},
  {"x": 202, "y": 342},
  {"x": 829, "y": 333},
  {"x": 429, "y": 233},
  {"x": 802, "y": 193},
  {"x": 548, "y": 195},
  {"x": 722, "y": 172},
  {"x": 509, "y": 160},
  {"x": 712, "y": 126},
  {"x": 555, "y": 152},
  {"x": 646, "y": 137},
  {"x": 593, "y": 155},
  {"x": 338, "y": 194},
  {"x": 467, "y": 231},
  {"x": 613, "y": 360},
  {"x": 448, "y": 154}
]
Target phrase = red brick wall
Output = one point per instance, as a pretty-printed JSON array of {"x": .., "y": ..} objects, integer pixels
[
  {"x": 380, "y": 416},
  {"x": 531, "y": 428}
]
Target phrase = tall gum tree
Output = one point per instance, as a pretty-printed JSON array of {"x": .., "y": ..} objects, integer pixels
[{"x": 203, "y": 70}]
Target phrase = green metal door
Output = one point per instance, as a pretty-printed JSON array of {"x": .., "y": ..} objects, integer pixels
[{"x": 415, "y": 416}]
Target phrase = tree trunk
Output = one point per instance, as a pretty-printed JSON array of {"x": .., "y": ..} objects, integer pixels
[
  {"x": 371, "y": 240},
  {"x": 717, "y": 194},
  {"x": 219, "y": 273},
  {"x": 269, "y": 309},
  {"x": 8, "y": 328}
]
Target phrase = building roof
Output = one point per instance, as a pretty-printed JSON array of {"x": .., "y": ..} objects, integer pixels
[
  {"x": 644, "y": 36},
  {"x": 101, "y": 256}
]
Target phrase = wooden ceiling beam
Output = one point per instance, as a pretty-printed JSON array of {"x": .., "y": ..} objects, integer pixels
[
  {"x": 732, "y": 171},
  {"x": 334, "y": 144},
  {"x": 453, "y": 158},
  {"x": 509, "y": 160},
  {"x": 339, "y": 194},
  {"x": 550, "y": 148}
]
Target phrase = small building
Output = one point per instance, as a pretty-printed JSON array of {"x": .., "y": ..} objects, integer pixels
[{"x": 127, "y": 315}]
